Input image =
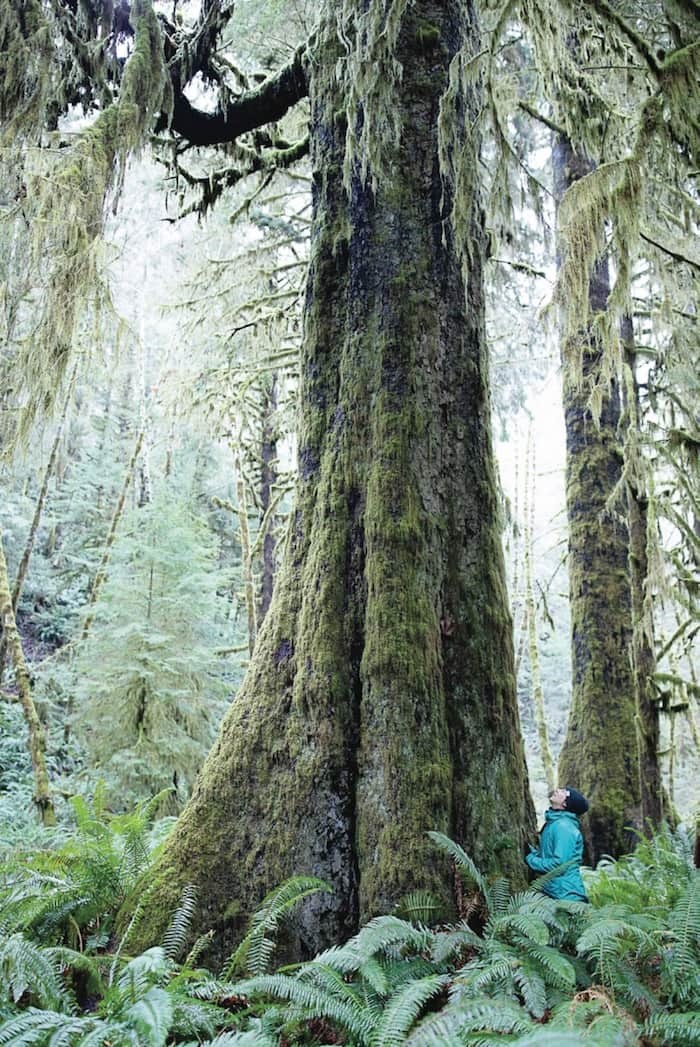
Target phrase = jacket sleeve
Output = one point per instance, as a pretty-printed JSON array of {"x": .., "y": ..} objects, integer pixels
[{"x": 563, "y": 850}]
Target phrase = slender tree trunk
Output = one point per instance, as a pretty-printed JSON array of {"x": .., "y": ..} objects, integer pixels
[
  {"x": 37, "y": 736},
  {"x": 642, "y": 650},
  {"x": 601, "y": 751},
  {"x": 101, "y": 572},
  {"x": 380, "y": 701},
  {"x": 268, "y": 480},
  {"x": 530, "y": 613},
  {"x": 246, "y": 555},
  {"x": 172, "y": 431},
  {"x": 36, "y": 519}
]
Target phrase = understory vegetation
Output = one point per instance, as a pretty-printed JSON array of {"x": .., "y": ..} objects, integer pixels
[{"x": 504, "y": 966}]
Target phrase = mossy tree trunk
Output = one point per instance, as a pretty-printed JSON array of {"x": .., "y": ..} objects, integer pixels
[
  {"x": 602, "y": 752},
  {"x": 36, "y": 736},
  {"x": 380, "y": 701},
  {"x": 642, "y": 653},
  {"x": 268, "y": 479}
]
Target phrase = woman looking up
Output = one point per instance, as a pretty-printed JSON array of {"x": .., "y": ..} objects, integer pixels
[{"x": 561, "y": 843}]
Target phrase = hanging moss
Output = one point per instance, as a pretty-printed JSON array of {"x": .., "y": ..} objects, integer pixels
[{"x": 67, "y": 192}]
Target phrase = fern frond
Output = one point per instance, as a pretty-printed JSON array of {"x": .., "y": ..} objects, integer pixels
[
  {"x": 457, "y": 1024},
  {"x": 476, "y": 977},
  {"x": 681, "y": 1029},
  {"x": 176, "y": 934},
  {"x": 461, "y": 858},
  {"x": 447, "y": 945},
  {"x": 197, "y": 949},
  {"x": 499, "y": 895},
  {"x": 420, "y": 907},
  {"x": 543, "y": 1038},
  {"x": 257, "y": 947},
  {"x": 151, "y": 1016},
  {"x": 374, "y": 974},
  {"x": 27, "y": 967},
  {"x": 402, "y": 1009},
  {"x": 35, "y": 1026},
  {"x": 556, "y": 968},
  {"x": 604, "y": 935},
  {"x": 532, "y": 988},
  {"x": 193, "y": 1018},
  {"x": 314, "y": 1001},
  {"x": 391, "y": 935},
  {"x": 252, "y": 1038},
  {"x": 141, "y": 973},
  {"x": 684, "y": 921},
  {"x": 529, "y": 926}
]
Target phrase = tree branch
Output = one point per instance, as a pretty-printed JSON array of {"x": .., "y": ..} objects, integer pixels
[
  {"x": 669, "y": 250},
  {"x": 638, "y": 42},
  {"x": 268, "y": 102},
  {"x": 546, "y": 120},
  {"x": 212, "y": 186}
]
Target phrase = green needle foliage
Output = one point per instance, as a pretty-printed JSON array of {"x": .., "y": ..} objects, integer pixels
[{"x": 148, "y": 703}]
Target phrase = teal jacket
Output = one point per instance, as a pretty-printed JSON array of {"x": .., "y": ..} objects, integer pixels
[{"x": 560, "y": 842}]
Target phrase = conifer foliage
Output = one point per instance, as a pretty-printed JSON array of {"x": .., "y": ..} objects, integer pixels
[{"x": 148, "y": 697}]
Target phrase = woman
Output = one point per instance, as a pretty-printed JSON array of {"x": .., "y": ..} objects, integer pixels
[{"x": 561, "y": 843}]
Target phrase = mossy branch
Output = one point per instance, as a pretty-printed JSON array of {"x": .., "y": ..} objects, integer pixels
[{"x": 265, "y": 104}]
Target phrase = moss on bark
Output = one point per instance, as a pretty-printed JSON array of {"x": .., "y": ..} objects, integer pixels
[
  {"x": 380, "y": 702},
  {"x": 605, "y": 753}
]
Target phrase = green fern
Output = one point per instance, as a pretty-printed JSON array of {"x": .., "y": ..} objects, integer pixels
[
  {"x": 682, "y": 1029},
  {"x": 471, "y": 1021},
  {"x": 684, "y": 921},
  {"x": 462, "y": 860},
  {"x": 313, "y": 1001},
  {"x": 26, "y": 968},
  {"x": 176, "y": 934},
  {"x": 256, "y": 949},
  {"x": 421, "y": 907}
]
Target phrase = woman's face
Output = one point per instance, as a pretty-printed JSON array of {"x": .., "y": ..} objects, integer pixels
[{"x": 557, "y": 799}]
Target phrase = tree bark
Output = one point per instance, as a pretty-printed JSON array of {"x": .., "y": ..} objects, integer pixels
[
  {"x": 601, "y": 754},
  {"x": 380, "y": 701},
  {"x": 642, "y": 651},
  {"x": 35, "y": 729},
  {"x": 246, "y": 554},
  {"x": 36, "y": 519},
  {"x": 268, "y": 480}
]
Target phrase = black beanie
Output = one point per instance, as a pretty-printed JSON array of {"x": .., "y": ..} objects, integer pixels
[{"x": 576, "y": 802}]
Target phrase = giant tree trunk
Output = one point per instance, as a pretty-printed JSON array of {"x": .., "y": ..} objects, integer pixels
[
  {"x": 602, "y": 752},
  {"x": 380, "y": 702}
]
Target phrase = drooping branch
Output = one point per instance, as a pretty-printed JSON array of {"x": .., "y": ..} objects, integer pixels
[
  {"x": 266, "y": 161},
  {"x": 610, "y": 14},
  {"x": 263, "y": 105}
]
